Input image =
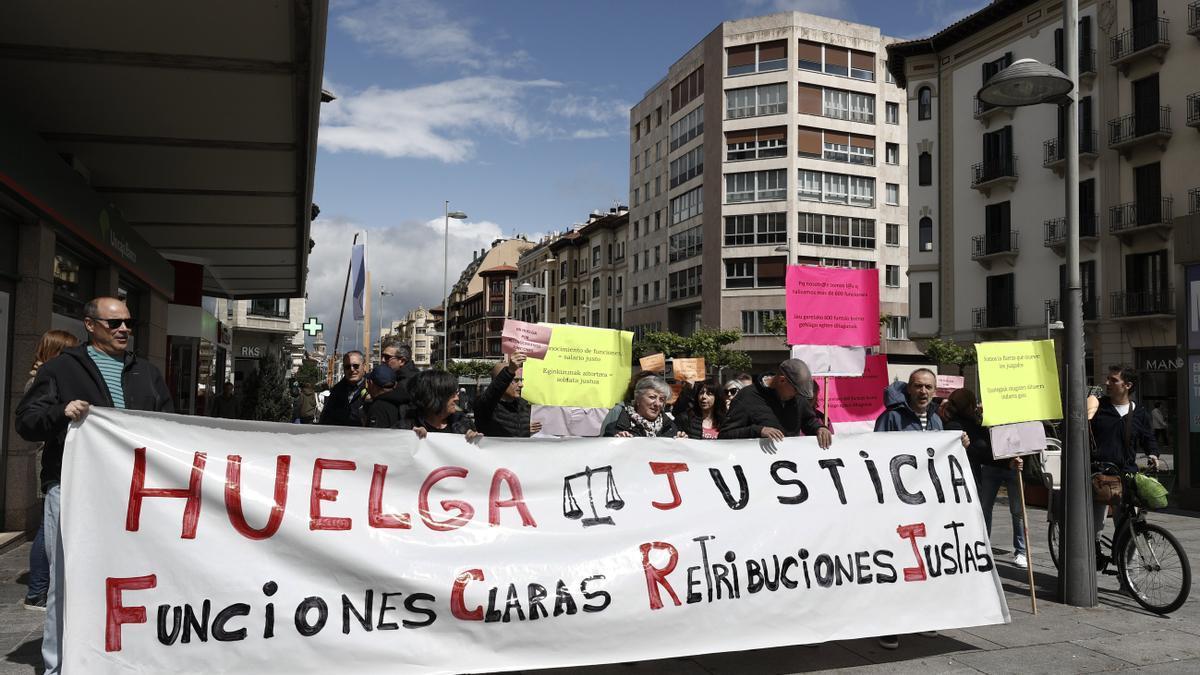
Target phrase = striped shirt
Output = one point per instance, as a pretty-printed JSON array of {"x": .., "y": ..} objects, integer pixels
[{"x": 111, "y": 370}]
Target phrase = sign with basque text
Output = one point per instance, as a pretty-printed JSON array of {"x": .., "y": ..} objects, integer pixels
[{"x": 256, "y": 547}]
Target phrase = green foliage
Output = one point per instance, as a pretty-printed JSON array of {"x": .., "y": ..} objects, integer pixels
[
  {"x": 709, "y": 343},
  {"x": 308, "y": 373},
  {"x": 266, "y": 396},
  {"x": 776, "y": 325},
  {"x": 474, "y": 369},
  {"x": 949, "y": 352}
]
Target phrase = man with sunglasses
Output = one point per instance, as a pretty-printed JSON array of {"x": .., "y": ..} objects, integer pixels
[
  {"x": 398, "y": 357},
  {"x": 102, "y": 372},
  {"x": 344, "y": 405}
]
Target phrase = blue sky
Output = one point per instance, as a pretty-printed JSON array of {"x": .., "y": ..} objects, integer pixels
[{"x": 516, "y": 111}]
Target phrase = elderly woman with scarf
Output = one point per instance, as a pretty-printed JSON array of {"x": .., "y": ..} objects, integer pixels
[{"x": 644, "y": 416}]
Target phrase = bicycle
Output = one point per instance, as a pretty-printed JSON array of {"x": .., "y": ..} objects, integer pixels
[{"x": 1151, "y": 564}]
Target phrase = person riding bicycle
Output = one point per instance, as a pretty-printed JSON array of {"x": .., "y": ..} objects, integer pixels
[{"x": 1119, "y": 428}]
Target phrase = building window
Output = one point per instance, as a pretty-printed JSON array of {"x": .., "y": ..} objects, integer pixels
[
  {"x": 756, "y": 58},
  {"x": 687, "y": 205},
  {"x": 892, "y": 193},
  {"x": 769, "y": 99},
  {"x": 596, "y": 287},
  {"x": 892, "y": 273},
  {"x": 893, "y": 113},
  {"x": 685, "y": 244},
  {"x": 835, "y": 146},
  {"x": 636, "y": 200},
  {"x": 756, "y": 186},
  {"x": 897, "y": 328},
  {"x": 687, "y": 127},
  {"x": 925, "y": 234},
  {"x": 924, "y": 103},
  {"x": 751, "y": 229},
  {"x": 838, "y": 104},
  {"x": 762, "y": 143},
  {"x": 686, "y": 167},
  {"x": 273, "y": 308},
  {"x": 74, "y": 282},
  {"x": 925, "y": 300},
  {"x": 687, "y": 89},
  {"x": 766, "y": 272},
  {"x": 828, "y": 230},
  {"x": 893, "y": 234},
  {"x": 684, "y": 283},
  {"x": 887, "y": 74},
  {"x": 893, "y": 153},
  {"x": 925, "y": 169},
  {"x": 817, "y": 186},
  {"x": 754, "y": 322}
]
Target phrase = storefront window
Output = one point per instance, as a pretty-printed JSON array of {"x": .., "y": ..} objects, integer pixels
[{"x": 74, "y": 282}]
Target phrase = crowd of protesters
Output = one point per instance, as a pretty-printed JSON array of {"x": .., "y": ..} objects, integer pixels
[{"x": 67, "y": 378}]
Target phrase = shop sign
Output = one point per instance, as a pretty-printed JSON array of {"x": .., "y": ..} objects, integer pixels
[{"x": 251, "y": 352}]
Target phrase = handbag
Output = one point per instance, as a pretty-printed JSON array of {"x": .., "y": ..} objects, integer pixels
[{"x": 1106, "y": 489}]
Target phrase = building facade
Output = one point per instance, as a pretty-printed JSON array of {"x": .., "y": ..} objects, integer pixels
[
  {"x": 987, "y": 255},
  {"x": 481, "y": 299},
  {"x": 417, "y": 331},
  {"x": 775, "y": 140}
]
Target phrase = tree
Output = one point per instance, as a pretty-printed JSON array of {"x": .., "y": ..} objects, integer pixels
[
  {"x": 308, "y": 373},
  {"x": 777, "y": 325},
  {"x": 475, "y": 369},
  {"x": 949, "y": 352},
  {"x": 266, "y": 396},
  {"x": 709, "y": 343}
]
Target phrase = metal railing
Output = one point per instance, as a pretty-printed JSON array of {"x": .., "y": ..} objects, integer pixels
[
  {"x": 1194, "y": 17},
  {"x": 1193, "y": 108},
  {"x": 995, "y": 316},
  {"x": 1129, "y": 215},
  {"x": 1055, "y": 229},
  {"x": 1194, "y": 200},
  {"x": 1129, "y": 127},
  {"x": 983, "y": 245},
  {"x": 1051, "y": 311},
  {"x": 1142, "y": 303},
  {"x": 1142, "y": 36},
  {"x": 994, "y": 168},
  {"x": 982, "y": 108},
  {"x": 1087, "y": 62},
  {"x": 1055, "y": 150}
]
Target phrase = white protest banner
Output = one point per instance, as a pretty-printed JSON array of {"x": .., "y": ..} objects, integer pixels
[{"x": 246, "y": 547}]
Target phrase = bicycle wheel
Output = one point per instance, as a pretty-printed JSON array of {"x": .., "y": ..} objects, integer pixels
[
  {"x": 1155, "y": 568},
  {"x": 1054, "y": 543}
]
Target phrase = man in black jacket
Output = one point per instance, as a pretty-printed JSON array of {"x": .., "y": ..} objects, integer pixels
[
  {"x": 500, "y": 410},
  {"x": 399, "y": 358},
  {"x": 779, "y": 410},
  {"x": 343, "y": 405},
  {"x": 381, "y": 412},
  {"x": 101, "y": 373}
]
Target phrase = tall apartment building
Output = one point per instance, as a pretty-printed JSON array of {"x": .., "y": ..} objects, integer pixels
[
  {"x": 987, "y": 257},
  {"x": 774, "y": 140},
  {"x": 583, "y": 271},
  {"x": 417, "y": 331}
]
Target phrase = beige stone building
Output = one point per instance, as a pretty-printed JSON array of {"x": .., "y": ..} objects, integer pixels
[
  {"x": 416, "y": 330},
  {"x": 481, "y": 299},
  {"x": 774, "y": 140},
  {"x": 987, "y": 194}
]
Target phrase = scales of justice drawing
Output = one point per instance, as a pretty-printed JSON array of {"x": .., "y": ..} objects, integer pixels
[{"x": 612, "y": 498}]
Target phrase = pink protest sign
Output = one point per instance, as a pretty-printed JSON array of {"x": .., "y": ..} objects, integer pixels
[
  {"x": 948, "y": 384},
  {"x": 859, "y": 399},
  {"x": 832, "y": 306},
  {"x": 519, "y": 336}
]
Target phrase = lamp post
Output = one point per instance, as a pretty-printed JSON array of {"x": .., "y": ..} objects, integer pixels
[
  {"x": 457, "y": 215},
  {"x": 527, "y": 289},
  {"x": 382, "y": 293},
  {"x": 1028, "y": 82}
]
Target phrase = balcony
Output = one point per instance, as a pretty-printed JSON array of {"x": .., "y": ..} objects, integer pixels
[
  {"x": 984, "y": 112},
  {"x": 1147, "y": 40},
  {"x": 1129, "y": 131},
  {"x": 1194, "y": 201},
  {"x": 1193, "y": 110},
  {"x": 1139, "y": 305},
  {"x": 1087, "y": 65},
  {"x": 986, "y": 250},
  {"x": 994, "y": 318},
  {"x": 1129, "y": 219},
  {"x": 994, "y": 172},
  {"x": 1194, "y": 19},
  {"x": 1054, "y": 155},
  {"x": 1055, "y": 311},
  {"x": 1055, "y": 232}
]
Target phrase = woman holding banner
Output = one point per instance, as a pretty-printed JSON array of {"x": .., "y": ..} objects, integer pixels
[
  {"x": 703, "y": 413},
  {"x": 434, "y": 407},
  {"x": 644, "y": 417}
]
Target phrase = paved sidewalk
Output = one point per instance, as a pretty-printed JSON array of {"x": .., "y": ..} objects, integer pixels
[{"x": 1117, "y": 635}]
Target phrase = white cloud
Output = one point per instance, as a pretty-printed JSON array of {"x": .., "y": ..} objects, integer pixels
[
  {"x": 590, "y": 108},
  {"x": 436, "y": 121},
  {"x": 421, "y": 30},
  {"x": 405, "y": 258}
]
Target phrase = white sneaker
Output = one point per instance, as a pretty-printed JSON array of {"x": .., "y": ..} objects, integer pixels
[{"x": 1018, "y": 560}]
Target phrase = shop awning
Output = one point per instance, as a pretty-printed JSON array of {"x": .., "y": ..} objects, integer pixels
[{"x": 196, "y": 121}]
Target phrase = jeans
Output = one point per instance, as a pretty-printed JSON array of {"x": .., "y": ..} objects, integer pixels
[
  {"x": 990, "y": 478},
  {"x": 39, "y": 566},
  {"x": 53, "y": 630}
]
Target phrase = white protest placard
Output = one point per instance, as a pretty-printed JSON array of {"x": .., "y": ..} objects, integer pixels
[
  {"x": 247, "y": 547},
  {"x": 1014, "y": 440},
  {"x": 832, "y": 360}
]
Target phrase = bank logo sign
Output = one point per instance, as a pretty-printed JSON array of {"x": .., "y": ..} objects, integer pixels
[{"x": 119, "y": 245}]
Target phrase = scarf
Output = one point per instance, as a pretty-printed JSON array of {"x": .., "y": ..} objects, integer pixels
[{"x": 651, "y": 428}]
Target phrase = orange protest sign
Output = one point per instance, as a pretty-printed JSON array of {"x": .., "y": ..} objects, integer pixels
[
  {"x": 689, "y": 370},
  {"x": 655, "y": 362}
]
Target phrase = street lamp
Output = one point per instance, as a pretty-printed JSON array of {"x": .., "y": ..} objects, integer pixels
[
  {"x": 1028, "y": 82},
  {"x": 382, "y": 294},
  {"x": 457, "y": 215},
  {"x": 527, "y": 289}
]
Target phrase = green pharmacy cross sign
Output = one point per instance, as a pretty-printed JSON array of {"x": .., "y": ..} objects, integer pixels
[{"x": 312, "y": 326}]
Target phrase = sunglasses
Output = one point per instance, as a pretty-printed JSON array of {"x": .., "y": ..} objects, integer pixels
[
  {"x": 114, "y": 324},
  {"x": 730, "y": 392},
  {"x": 389, "y": 357},
  {"x": 354, "y": 366}
]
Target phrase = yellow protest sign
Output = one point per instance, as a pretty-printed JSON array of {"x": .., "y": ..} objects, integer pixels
[
  {"x": 584, "y": 367},
  {"x": 1019, "y": 381}
]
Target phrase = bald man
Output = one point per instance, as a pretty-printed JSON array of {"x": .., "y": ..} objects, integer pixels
[{"x": 102, "y": 372}]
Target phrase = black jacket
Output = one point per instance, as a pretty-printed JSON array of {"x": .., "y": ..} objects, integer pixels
[
  {"x": 758, "y": 406},
  {"x": 73, "y": 376},
  {"x": 979, "y": 453},
  {"x": 458, "y": 423},
  {"x": 690, "y": 424},
  {"x": 625, "y": 423},
  {"x": 495, "y": 416},
  {"x": 1108, "y": 435},
  {"x": 340, "y": 410},
  {"x": 382, "y": 413}
]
